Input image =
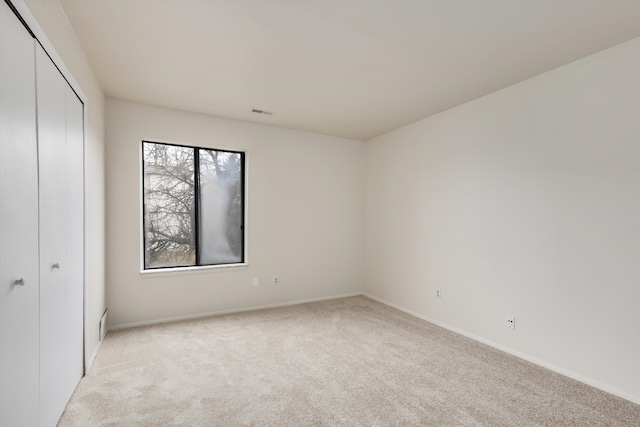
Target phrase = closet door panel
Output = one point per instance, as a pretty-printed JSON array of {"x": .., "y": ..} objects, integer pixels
[
  {"x": 19, "y": 309},
  {"x": 75, "y": 240},
  {"x": 51, "y": 111}
]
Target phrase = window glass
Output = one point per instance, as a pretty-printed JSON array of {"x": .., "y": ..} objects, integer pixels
[
  {"x": 220, "y": 207},
  {"x": 191, "y": 222}
]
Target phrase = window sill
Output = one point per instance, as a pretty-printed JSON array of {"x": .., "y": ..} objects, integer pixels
[{"x": 180, "y": 271}]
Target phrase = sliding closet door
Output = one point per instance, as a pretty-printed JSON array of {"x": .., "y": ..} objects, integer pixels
[{"x": 19, "y": 309}]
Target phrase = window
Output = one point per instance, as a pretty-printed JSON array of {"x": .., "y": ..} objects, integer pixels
[{"x": 193, "y": 206}]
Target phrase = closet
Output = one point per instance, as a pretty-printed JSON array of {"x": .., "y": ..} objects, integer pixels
[{"x": 41, "y": 231}]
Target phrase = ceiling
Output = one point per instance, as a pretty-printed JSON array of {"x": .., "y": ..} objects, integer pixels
[{"x": 349, "y": 68}]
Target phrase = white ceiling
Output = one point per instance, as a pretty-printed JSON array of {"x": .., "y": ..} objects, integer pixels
[{"x": 350, "y": 68}]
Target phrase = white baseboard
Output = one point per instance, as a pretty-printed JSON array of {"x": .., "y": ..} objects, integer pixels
[
  {"x": 567, "y": 373},
  {"x": 233, "y": 310},
  {"x": 89, "y": 364}
]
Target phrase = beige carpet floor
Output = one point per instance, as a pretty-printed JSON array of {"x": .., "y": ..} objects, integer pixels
[{"x": 345, "y": 362}]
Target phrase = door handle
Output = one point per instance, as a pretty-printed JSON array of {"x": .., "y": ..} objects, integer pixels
[
  {"x": 56, "y": 265},
  {"x": 19, "y": 282}
]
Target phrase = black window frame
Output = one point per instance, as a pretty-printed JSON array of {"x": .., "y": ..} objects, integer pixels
[{"x": 196, "y": 189}]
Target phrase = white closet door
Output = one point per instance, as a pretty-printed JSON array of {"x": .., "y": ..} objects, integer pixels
[
  {"x": 51, "y": 107},
  {"x": 19, "y": 323},
  {"x": 75, "y": 240},
  {"x": 61, "y": 196}
]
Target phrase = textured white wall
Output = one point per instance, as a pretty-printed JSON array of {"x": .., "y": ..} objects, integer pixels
[
  {"x": 53, "y": 21},
  {"x": 524, "y": 202},
  {"x": 305, "y": 209}
]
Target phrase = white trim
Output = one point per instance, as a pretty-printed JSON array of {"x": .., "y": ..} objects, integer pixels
[
  {"x": 179, "y": 271},
  {"x": 141, "y": 204},
  {"x": 567, "y": 373},
  {"x": 233, "y": 310},
  {"x": 89, "y": 364},
  {"x": 196, "y": 268}
]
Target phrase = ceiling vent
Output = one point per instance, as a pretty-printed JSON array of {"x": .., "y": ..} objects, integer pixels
[{"x": 268, "y": 113}]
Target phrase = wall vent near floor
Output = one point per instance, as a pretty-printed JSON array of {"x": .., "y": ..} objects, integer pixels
[{"x": 103, "y": 325}]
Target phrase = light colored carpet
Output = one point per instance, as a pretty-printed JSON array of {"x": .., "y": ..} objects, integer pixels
[{"x": 345, "y": 362}]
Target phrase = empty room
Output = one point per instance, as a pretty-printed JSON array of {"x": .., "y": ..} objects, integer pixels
[{"x": 319, "y": 213}]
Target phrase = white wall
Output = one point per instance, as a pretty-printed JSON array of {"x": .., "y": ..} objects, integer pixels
[
  {"x": 524, "y": 202},
  {"x": 305, "y": 209},
  {"x": 53, "y": 21}
]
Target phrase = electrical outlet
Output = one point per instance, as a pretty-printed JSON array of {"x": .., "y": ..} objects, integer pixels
[
  {"x": 256, "y": 281},
  {"x": 511, "y": 322},
  {"x": 276, "y": 281},
  {"x": 438, "y": 294}
]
